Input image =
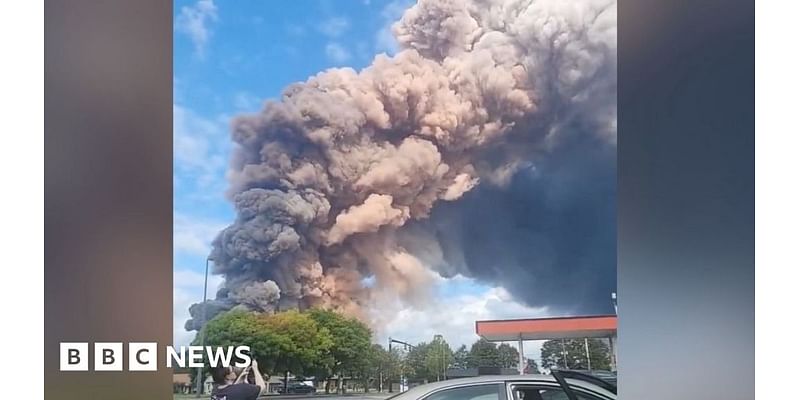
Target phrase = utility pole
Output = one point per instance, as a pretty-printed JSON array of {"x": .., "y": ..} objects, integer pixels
[
  {"x": 406, "y": 346},
  {"x": 444, "y": 362},
  {"x": 202, "y": 329},
  {"x": 588, "y": 358},
  {"x": 439, "y": 339}
]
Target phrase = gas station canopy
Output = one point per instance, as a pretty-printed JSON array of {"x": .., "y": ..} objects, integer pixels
[{"x": 600, "y": 326}]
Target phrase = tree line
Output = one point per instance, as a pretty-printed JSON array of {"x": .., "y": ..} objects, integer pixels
[{"x": 324, "y": 344}]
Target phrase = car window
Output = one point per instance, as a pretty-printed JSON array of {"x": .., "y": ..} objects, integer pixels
[
  {"x": 549, "y": 393},
  {"x": 475, "y": 392}
]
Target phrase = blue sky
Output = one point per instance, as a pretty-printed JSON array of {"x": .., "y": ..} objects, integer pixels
[{"x": 230, "y": 56}]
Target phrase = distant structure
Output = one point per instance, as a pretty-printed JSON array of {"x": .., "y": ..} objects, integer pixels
[
  {"x": 519, "y": 330},
  {"x": 453, "y": 373},
  {"x": 181, "y": 383}
]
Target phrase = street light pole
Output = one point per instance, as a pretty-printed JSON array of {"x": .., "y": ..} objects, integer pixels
[
  {"x": 439, "y": 340},
  {"x": 588, "y": 356},
  {"x": 390, "y": 357},
  {"x": 202, "y": 330},
  {"x": 445, "y": 362},
  {"x": 521, "y": 356},
  {"x": 406, "y": 346}
]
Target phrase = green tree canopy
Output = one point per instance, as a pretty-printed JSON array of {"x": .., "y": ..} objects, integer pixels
[
  {"x": 483, "y": 353},
  {"x": 302, "y": 342},
  {"x": 285, "y": 342},
  {"x": 416, "y": 362},
  {"x": 509, "y": 356},
  {"x": 438, "y": 358},
  {"x": 571, "y": 354},
  {"x": 351, "y": 341},
  {"x": 243, "y": 328},
  {"x": 460, "y": 357},
  {"x": 380, "y": 367},
  {"x": 427, "y": 361}
]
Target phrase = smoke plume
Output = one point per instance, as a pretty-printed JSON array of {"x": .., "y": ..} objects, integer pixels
[{"x": 485, "y": 147}]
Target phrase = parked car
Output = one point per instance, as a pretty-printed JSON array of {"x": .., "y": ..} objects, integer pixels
[
  {"x": 556, "y": 386},
  {"x": 298, "y": 388}
]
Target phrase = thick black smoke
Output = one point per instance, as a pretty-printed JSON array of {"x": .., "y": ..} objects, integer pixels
[
  {"x": 485, "y": 148},
  {"x": 549, "y": 238}
]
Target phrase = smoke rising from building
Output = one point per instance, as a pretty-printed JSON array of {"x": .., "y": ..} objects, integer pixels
[{"x": 485, "y": 147}]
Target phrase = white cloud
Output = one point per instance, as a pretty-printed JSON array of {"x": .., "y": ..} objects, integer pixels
[
  {"x": 454, "y": 317},
  {"x": 337, "y": 53},
  {"x": 194, "y": 20},
  {"x": 190, "y": 137},
  {"x": 200, "y": 148},
  {"x": 193, "y": 235},
  {"x": 334, "y": 26}
]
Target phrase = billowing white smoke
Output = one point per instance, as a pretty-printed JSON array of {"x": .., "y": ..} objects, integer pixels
[{"x": 338, "y": 180}]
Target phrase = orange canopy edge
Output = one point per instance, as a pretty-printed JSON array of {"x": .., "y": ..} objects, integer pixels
[{"x": 547, "y": 328}]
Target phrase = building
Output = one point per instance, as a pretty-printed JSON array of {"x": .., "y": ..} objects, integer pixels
[
  {"x": 208, "y": 385},
  {"x": 520, "y": 330},
  {"x": 181, "y": 383}
]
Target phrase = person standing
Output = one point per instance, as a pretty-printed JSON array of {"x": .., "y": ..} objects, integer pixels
[{"x": 227, "y": 386}]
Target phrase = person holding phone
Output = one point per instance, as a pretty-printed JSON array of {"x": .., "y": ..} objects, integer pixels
[{"x": 229, "y": 386}]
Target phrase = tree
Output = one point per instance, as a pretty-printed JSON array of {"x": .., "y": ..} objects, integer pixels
[
  {"x": 396, "y": 365},
  {"x": 351, "y": 344},
  {"x": 429, "y": 361},
  {"x": 243, "y": 328},
  {"x": 483, "y": 353},
  {"x": 460, "y": 357},
  {"x": 416, "y": 362},
  {"x": 302, "y": 343},
  {"x": 381, "y": 366},
  {"x": 571, "y": 354},
  {"x": 509, "y": 356},
  {"x": 284, "y": 342},
  {"x": 437, "y": 358}
]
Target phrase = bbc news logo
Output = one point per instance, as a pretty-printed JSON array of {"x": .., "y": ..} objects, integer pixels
[{"x": 143, "y": 356}]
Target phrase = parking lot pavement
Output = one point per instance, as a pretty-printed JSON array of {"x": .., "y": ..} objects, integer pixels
[
  {"x": 321, "y": 396},
  {"x": 352, "y": 396}
]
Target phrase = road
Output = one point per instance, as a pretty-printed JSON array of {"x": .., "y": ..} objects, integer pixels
[{"x": 353, "y": 396}]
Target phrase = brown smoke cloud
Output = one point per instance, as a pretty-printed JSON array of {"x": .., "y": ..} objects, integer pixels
[{"x": 340, "y": 180}]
